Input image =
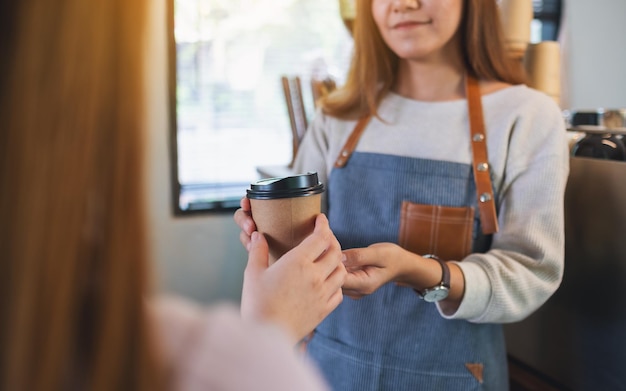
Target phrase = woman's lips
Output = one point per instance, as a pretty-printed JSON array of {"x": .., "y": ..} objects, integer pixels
[{"x": 409, "y": 24}]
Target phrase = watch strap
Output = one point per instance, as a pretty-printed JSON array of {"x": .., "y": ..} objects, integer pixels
[{"x": 445, "y": 274}]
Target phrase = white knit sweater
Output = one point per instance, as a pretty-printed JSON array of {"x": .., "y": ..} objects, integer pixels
[{"x": 528, "y": 155}]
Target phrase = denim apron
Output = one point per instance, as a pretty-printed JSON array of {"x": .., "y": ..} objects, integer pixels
[{"x": 391, "y": 339}]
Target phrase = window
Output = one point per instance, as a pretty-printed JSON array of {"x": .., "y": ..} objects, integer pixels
[{"x": 230, "y": 114}]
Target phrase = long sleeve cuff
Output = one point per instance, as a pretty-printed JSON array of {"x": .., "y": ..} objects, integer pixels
[{"x": 477, "y": 292}]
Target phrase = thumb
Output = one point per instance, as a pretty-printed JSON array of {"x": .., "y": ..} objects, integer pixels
[
  {"x": 258, "y": 252},
  {"x": 353, "y": 258}
]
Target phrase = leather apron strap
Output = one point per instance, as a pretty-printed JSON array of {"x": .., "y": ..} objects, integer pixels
[
  {"x": 480, "y": 162},
  {"x": 352, "y": 141}
]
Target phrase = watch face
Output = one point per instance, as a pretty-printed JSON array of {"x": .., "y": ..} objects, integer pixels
[{"x": 436, "y": 294}]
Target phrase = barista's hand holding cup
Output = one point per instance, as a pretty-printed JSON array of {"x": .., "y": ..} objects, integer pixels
[{"x": 284, "y": 210}]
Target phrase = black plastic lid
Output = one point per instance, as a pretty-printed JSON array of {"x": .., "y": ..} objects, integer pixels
[{"x": 286, "y": 187}]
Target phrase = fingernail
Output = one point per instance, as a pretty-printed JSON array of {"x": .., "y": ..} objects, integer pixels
[{"x": 344, "y": 258}]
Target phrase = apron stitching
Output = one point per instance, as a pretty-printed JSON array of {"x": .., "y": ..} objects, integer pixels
[{"x": 465, "y": 233}]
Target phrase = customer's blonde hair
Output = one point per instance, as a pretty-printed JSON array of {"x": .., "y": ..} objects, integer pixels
[{"x": 72, "y": 239}]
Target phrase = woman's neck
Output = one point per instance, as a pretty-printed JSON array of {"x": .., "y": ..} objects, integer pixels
[{"x": 429, "y": 81}]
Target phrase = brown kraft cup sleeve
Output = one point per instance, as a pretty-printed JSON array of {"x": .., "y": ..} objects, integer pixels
[
  {"x": 434, "y": 229},
  {"x": 285, "y": 222}
]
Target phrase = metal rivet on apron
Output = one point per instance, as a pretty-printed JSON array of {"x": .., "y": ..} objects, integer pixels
[
  {"x": 478, "y": 137},
  {"x": 345, "y": 153},
  {"x": 485, "y": 197},
  {"x": 482, "y": 166}
]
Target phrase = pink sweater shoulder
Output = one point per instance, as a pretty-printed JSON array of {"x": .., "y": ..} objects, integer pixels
[{"x": 213, "y": 349}]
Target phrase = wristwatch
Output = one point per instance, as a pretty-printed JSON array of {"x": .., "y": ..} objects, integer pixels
[{"x": 441, "y": 290}]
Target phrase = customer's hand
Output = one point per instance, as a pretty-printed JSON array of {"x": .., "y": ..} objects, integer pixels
[
  {"x": 243, "y": 218},
  {"x": 301, "y": 288}
]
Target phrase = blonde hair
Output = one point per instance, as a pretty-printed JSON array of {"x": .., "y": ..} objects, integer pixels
[
  {"x": 373, "y": 68},
  {"x": 72, "y": 232}
]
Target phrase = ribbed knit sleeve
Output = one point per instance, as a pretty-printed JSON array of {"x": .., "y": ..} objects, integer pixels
[{"x": 524, "y": 266}]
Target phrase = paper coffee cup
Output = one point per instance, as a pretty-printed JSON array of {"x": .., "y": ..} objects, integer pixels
[
  {"x": 543, "y": 66},
  {"x": 284, "y": 210},
  {"x": 516, "y": 16}
]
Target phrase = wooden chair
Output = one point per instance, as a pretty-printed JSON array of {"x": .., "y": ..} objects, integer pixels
[
  {"x": 292, "y": 88},
  {"x": 298, "y": 119},
  {"x": 321, "y": 87}
]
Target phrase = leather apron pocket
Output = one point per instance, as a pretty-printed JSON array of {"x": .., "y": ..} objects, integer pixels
[{"x": 445, "y": 231}]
